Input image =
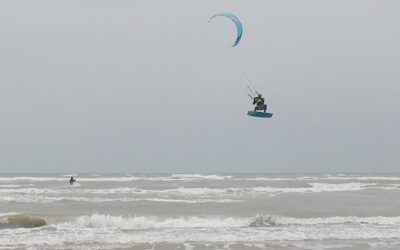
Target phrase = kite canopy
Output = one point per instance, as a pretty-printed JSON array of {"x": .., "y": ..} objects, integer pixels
[{"x": 236, "y": 21}]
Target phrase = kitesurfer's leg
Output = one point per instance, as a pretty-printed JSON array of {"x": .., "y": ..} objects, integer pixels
[{"x": 265, "y": 108}]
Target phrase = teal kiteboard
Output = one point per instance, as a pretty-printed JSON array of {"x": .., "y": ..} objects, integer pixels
[{"x": 259, "y": 114}]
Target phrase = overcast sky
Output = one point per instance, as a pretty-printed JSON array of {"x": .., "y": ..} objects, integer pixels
[{"x": 152, "y": 86}]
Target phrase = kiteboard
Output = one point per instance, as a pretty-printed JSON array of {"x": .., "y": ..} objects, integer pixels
[{"x": 259, "y": 114}]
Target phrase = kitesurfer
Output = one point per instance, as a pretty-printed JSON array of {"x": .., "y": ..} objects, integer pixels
[
  {"x": 71, "y": 180},
  {"x": 259, "y": 102}
]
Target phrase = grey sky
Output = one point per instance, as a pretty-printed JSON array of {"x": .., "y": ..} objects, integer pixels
[{"x": 151, "y": 86}]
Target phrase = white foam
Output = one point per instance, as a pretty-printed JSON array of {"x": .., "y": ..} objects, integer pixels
[
  {"x": 319, "y": 187},
  {"x": 65, "y": 179},
  {"x": 8, "y": 214},
  {"x": 126, "y": 178},
  {"x": 191, "y": 201},
  {"x": 313, "y": 187},
  {"x": 202, "y": 176},
  {"x": 15, "y": 186},
  {"x": 11, "y": 194},
  {"x": 69, "y": 175},
  {"x": 364, "y": 178},
  {"x": 142, "y": 222},
  {"x": 122, "y": 232},
  {"x": 194, "y": 177},
  {"x": 323, "y": 178},
  {"x": 50, "y": 199},
  {"x": 264, "y": 179},
  {"x": 286, "y": 221}
]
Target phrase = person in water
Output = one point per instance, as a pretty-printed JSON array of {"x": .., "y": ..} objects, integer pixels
[
  {"x": 71, "y": 180},
  {"x": 259, "y": 102}
]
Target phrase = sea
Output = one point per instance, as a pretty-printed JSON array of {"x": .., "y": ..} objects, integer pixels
[{"x": 200, "y": 211}]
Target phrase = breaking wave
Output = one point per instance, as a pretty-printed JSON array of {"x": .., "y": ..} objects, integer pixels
[
  {"x": 50, "y": 199},
  {"x": 312, "y": 187},
  {"x": 194, "y": 177},
  {"x": 126, "y": 178},
  {"x": 145, "y": 222},
  {"x": 176, "y": 195},
  {"x": 126, "y": 231},
  {"x": 260, "y": 220},
  {"x": 15, "y": 186},
  {"x": 320, "y": 187}
]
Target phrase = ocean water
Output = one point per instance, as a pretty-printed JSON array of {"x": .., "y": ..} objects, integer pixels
[{"x": 200, "y": 211}]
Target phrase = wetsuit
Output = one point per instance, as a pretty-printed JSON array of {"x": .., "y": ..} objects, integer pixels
[
  {"x": 72, "y": 180},
  {"x": 259, "y": 102}
]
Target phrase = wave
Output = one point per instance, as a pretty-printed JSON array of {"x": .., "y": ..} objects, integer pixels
[
  {"x": 265, "y": 179},
  {"x": 127, "y": 231},
  {"x": 202, "y": 176},
  {"x": 15, "y": 186},
  {"x": 126, "y": 178},
  {"x": 152, "y": 222},
  {"x": 145, "y": 222},
  {"x": 69, "y": 175},
  {"x": 121, "y": 190},
  {"x": 50, "y": 199},
  {"x": 260, "y": 220},
  {"x": 186, "y": 201},
  {"x": 363, "y": 178},
  {"x": 66, "y": 178},
  {"x": 311, "y": 187},
  {"x": 178, "y": 195},
  {"x": 7, "y": 214},
  {"x": 194, "y": 178},
  {"x": 320, "y": 187},
  {"x": 320, "y": 178},
  {"x": 20, "y": 221}
]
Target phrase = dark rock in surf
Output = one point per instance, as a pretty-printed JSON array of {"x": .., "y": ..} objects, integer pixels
[{"x": 21, "y": 221}]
